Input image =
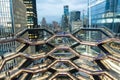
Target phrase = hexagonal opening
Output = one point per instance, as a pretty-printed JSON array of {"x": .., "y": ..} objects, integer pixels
[
  {"x": 62, "y": 66},
  {"x": 62, "y": 54},
  {"x": 87, "y": 64},
  {"x": 62, "y": 77},
  {"x": 62, "y": 40},
  {"x": 93, "y": 36},
  {"x": 93, "y": 51}
]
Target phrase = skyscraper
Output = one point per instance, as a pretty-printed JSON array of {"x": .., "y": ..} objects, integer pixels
[
  {"x": 74, "y": 16},
  {"x": 12, "y": 20},
  {"x": 31, "y": 13},
  {"x": 31, "y": 16},
  {"x": 105, "y": 13},
  {"x": 66, "y": 10},
  {"x": 65, "y": 19},
  {"x": 75, "y": 21},
  {"x": 43, "y": 22}
]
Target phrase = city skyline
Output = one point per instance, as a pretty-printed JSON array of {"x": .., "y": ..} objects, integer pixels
[{"x": 52, "y": 10}]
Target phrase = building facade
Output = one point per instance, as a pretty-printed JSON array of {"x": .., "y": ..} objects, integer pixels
[
  {"x": 12, "y": 20},
  {"x": 31, "y": 16},
  {"x": 105, "y": 13},
  {"x": 74, "y": 16},
  {"x": 66, "y": 10},
  {"x": 74, "y": 20},
  {"x": 31, "y": 13},
  {"x": 75, "y": 25},
  {"x": 65, "y": 19}
]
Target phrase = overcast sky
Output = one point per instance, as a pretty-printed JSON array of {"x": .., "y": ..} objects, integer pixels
[{"x": 52, "y": 10}]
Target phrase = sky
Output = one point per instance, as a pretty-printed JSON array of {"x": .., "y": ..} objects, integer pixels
[{"x": 52, "y": 10}]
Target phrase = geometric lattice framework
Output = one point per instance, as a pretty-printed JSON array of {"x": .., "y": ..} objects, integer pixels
[{"x": 63, "y": 56}]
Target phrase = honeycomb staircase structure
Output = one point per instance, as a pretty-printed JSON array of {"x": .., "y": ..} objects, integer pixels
[{"x": 86, "y": 54}]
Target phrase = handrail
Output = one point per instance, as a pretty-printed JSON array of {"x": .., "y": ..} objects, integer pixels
[
  {"x": 94, "y": 29},
  {"x": 113, "y": 66},
  {"x": 36, "y": 70},
  {"x": 114, "y": 53},
  {"x": 20, "y": 55},
  {"x": 113, "y": 58},
  {"x": 49, "y": 53},
  {"x": 62, "y": 72},
  {"x": 32, "y": 70},
  {"x": 25, "y": 41}
]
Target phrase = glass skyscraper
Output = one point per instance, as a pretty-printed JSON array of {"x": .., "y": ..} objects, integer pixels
[
  {"x": 65, "y": 19},
  {"x": 31, "y": 13},
  {"x": 12, "y": 20},
  {"x": 66, "y": 10},
  {"x": 105, "y": 13},
  {"x": 74, "y": 16},
  {"x": 74, "y": 20}
]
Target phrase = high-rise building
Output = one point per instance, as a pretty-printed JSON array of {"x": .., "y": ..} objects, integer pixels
[
  {"x": 75, "y": 21},
  {"x": 105, "y": 13},
  {"x": 56, "y": 26},
  {"x": 31, "y": 17},
  {"x": 75, "y": 25},
  {"x": 12, "y": 20},
  {"x": 66, "y": 10},
  {"x": 43, "y": 22},
  {"x": 31, "y": 13},
  {"x": 65, "y": 19},
  {"x": 74, "y": 16}
]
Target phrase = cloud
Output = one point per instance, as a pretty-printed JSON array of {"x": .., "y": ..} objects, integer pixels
[{"x": 54, "y": 8}]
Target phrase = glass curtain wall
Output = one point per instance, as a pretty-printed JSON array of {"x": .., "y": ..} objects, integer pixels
[
  {"x": 12, "y": 20},
  {"x": 106, "y": 13}
]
